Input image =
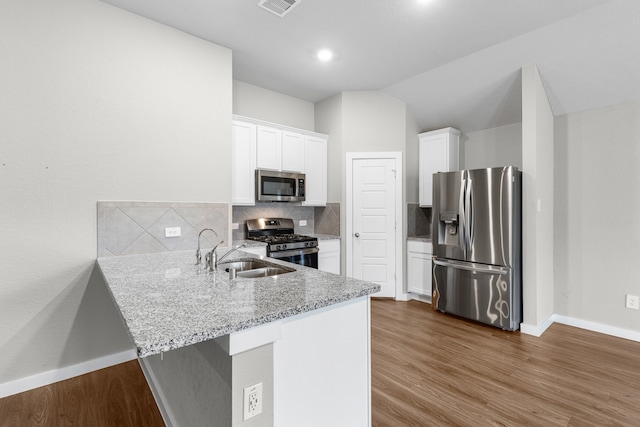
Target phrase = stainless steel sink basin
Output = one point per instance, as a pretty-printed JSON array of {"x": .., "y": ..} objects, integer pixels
[
  {"x": 255, "y": 268},
  {"x": 244, "y": 265},
  {"x": 263, "y": 272}
]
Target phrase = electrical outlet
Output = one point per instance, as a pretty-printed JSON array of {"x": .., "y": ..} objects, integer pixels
[
  {"x": 633, "y": 302},
  {"x": 303, "y": 223},
  {"x": 172, "y": 232},
  {"x": 234, "y": 226},
  {"x": 252, "y": 401}
]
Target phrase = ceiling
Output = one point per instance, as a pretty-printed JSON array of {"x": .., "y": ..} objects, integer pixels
[{"x": 454, "y": 62}]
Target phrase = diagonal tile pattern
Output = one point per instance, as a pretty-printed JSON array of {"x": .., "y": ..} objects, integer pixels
[{"x": 126, "y": 228}]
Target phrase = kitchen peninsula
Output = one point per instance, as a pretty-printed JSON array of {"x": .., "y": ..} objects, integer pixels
[{"x": 203, "y": 338}]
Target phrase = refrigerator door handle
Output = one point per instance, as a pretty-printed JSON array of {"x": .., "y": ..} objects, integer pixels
[
  {"x": 480, "y": 268},
  {"x": 462, "y": 231},
  {"x": 469, "y": 213}
]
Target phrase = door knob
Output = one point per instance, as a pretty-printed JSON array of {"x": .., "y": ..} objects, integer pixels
[{"x": 357, "y": 234}]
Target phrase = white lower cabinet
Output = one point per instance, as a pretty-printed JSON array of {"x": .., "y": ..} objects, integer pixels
[
  {"x": 329, "y": 256},
  {"x": 419, "y": 255}
]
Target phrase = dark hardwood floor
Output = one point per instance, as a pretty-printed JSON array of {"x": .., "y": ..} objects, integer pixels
[
  {"x": 432, "y": 369},
  {"x": 116, "y": 396},
  {"x": 428, "y": 369}
]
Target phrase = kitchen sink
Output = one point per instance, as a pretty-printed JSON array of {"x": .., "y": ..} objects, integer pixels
[{"x": 255, "y": 268}]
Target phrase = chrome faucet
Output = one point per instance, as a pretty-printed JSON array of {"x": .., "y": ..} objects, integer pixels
[
  {"x": 198, "y": 256},
  {"x": 213, "y": 260}
]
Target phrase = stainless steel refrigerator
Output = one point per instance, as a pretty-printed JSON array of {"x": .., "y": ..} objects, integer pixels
[{"x": 477, "y": 245}]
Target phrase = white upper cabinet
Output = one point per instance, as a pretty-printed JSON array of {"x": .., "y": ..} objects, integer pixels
[
  {"x": 315, "y": 167},
  {"x": 243, "y": 155},
  {"x": 262, "y": 145},
  {"x": 269, "y": 149},
  {"x": 280, "y": 150},
  {"x": 293, "y": 146},
  {"x": 438, "y": 153}
]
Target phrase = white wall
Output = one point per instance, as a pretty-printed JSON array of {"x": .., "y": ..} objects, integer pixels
[
  {"x": 537, "y": 188},
  {"x": 500, "y": 146},
  {"x": 95, "y": 104},
  {"x": 264, "y": 104},
  {"x": 597, "y": 228}
]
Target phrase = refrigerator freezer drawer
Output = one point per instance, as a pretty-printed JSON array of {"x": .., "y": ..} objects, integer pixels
[{"x": 485, "y": 293}]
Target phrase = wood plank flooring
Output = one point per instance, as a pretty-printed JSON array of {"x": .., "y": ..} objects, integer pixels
[
  {"x": 428, "y": 369},
  {"x": 432, "y": 369},
  {"x": 116, "y": 396}
]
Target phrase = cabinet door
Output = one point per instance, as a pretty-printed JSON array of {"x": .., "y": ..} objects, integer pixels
[
  {"x": 419, "y": 268},
  {"x": 243, "y": 155},
  {"x": 292, "y": 152},
  {"x": 269, "y": 148},
  {"x": 329, "y": 256},
  {"x": 438, "y": 152},
  {"x": 315, "y": 167}
]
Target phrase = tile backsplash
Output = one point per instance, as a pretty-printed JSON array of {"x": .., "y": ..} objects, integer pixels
[
  {"x": 319, "y": 219},
  {"x": 327, "y": 219},
  {"x": 126, "y": 228},
  {"x": 418, "y": 221}
]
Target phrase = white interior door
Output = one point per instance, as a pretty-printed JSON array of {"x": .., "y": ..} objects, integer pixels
[{"x": 374, "y": 223}]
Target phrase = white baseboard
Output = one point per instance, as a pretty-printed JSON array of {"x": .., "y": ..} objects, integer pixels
[
  {"x": 420, "y": 297},
  {"x": 582, "y": 324},
  {"x": 55, "y": 375},
  {"x": 402, "y": 297},
  {"x": 537, "y": 330},
  {"x": 598, "y": 327}
]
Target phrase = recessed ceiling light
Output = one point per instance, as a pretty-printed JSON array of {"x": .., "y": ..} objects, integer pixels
[{"x": 325, "y": 55}]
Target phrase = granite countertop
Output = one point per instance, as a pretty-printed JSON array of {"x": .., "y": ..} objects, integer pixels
[
  {"x": 249, "y": 243},
  {"x": 324, "y": 236},
  {"x": 420, "y": 238},
  {"x": 167, "y": 302}
]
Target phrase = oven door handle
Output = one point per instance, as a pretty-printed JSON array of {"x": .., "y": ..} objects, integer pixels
[{"x": 294, "y": 252}]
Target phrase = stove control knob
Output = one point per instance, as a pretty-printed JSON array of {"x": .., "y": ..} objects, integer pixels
[
  {"x": 278, "y": 247},
  {"x": 284, "y": 246}
]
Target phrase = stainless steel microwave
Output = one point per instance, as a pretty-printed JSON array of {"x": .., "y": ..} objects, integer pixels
[{"x": 274, "y": 186}]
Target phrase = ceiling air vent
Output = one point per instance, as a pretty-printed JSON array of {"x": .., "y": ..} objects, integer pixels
[{"x": 279, "y": 7}]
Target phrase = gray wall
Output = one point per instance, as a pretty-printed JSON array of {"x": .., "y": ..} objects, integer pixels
[
  {"x": 328, "y": 119},
  {"x": 360, "y": 121},
  {"x": 501, "y": 146},
  {"x": 412, "y": 159},
  {"x": 95, "y": 104},
  {"x": 597, "y": 226},
  {"x": 537, "y": 190},
  {"x": 264, "y": 104}
]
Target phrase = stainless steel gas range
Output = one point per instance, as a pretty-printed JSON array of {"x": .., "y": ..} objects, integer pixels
[{"x": 282, "y": 242}]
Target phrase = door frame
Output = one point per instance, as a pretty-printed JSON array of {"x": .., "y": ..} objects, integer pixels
[{"x": 398, "y": 203}]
